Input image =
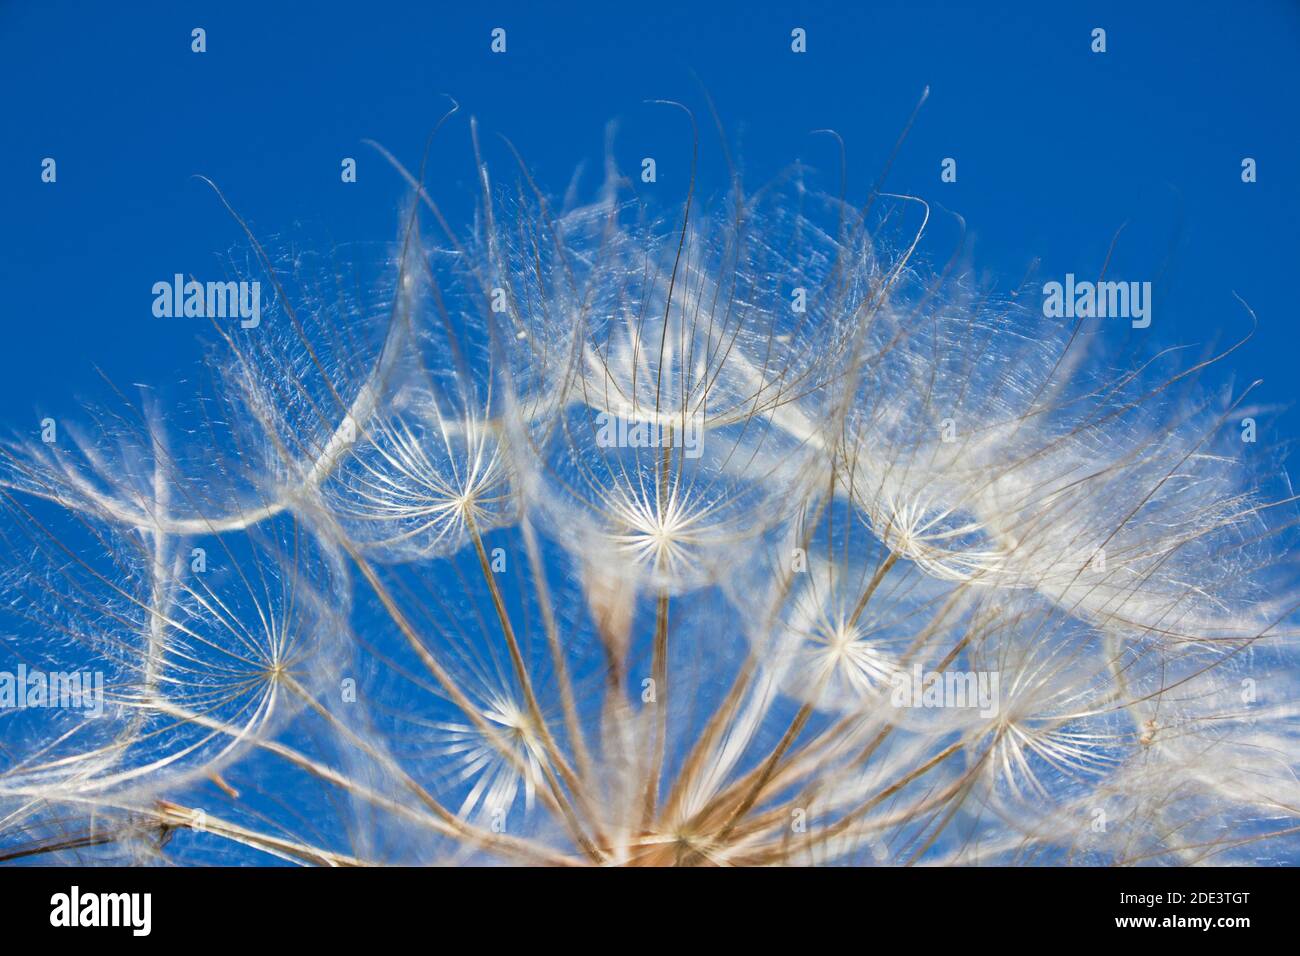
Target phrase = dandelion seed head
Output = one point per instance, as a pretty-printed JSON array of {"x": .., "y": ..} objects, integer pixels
[{"x": 597, "y": 531}]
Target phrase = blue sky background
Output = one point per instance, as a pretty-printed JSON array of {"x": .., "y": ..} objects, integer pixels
[{"x": 1056, "y": 146}]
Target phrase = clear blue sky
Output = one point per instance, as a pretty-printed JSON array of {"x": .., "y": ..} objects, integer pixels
[{"x": 1057, "y": 146}]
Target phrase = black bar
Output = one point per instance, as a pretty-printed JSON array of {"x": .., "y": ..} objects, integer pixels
[{"x": 444, "y": 908}]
